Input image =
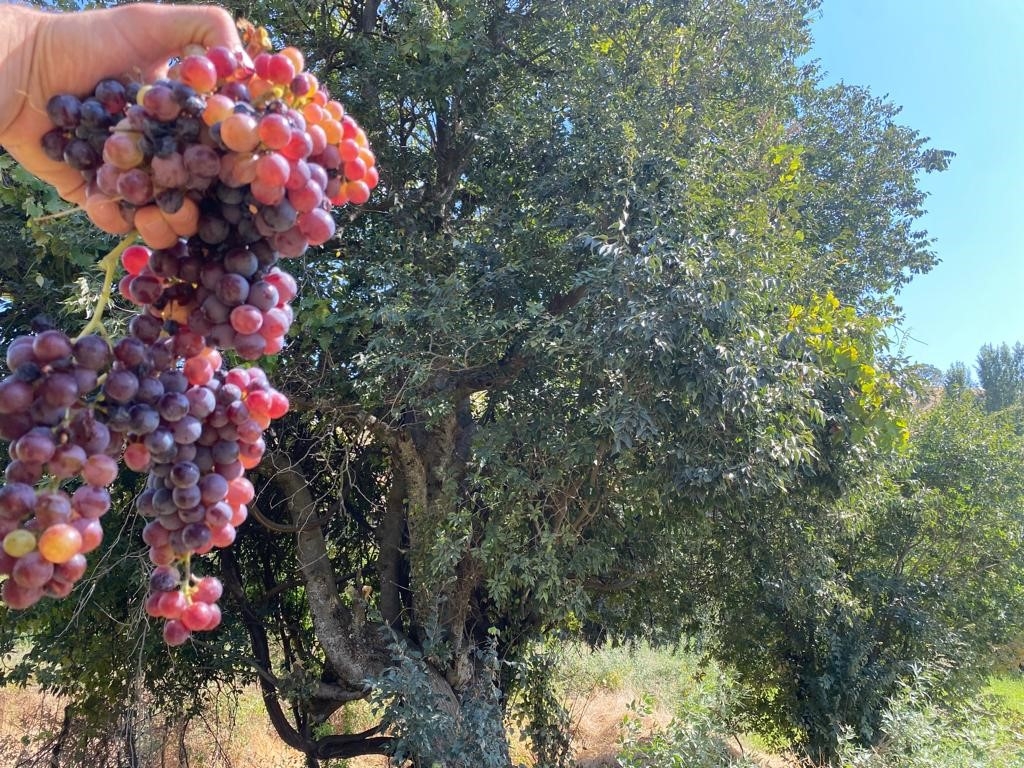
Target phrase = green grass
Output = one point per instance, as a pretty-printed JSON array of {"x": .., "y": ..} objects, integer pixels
[
  {"x": 666, "y": 678},
  {"x": 1009, "y": 691}
]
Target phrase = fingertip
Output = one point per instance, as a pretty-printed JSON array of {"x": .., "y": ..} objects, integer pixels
[{"x": 222, "y": 29}]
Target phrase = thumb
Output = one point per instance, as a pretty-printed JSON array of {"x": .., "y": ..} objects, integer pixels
[{"x": 167, "y": 29}]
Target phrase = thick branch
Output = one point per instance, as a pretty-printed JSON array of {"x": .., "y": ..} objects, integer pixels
[
  {"x": 389, "y": 560},
  {"x": 352, "y": 655}
]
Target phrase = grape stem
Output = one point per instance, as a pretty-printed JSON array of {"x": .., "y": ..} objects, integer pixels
[
  {"x": 187, "y": 580},
  {"x": 109, "y": 265},
  {"x": 59, "y": 214}
]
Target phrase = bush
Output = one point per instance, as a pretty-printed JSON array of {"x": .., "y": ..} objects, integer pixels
[
  {"x": 696, "y": 737},
  {"x": 921, "y": 732}
]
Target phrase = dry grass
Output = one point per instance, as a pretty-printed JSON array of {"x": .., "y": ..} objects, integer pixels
[
  {"x": 232, "y": 734},
  {"x": 240, "y": 736},
  {"x": 236, "y": 732}
]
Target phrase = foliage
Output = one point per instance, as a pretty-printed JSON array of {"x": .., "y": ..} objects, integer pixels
[
  {"x": 692, "y": 741},
  {"x": 1001, "y": 375},
  {"x": 553, "y": 360},
  {"x": 825, "y": 609},
  {"x": 921, "y": 732},
  {"x": 958, "y": 380}
]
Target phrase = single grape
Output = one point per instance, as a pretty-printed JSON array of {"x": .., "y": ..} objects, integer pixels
[{"x": 64, "y": 111}]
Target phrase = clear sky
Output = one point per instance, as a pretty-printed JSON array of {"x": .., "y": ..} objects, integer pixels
[{"x": 957, "y": 69}]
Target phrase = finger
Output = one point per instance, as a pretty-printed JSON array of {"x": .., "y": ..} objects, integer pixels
[{"x": 170, "y": 28}]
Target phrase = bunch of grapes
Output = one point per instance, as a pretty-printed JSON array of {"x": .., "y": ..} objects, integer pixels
[
  {"x": 222, "y": 168},
  {"x": 231, "y": 298},
  {"x": 46, "y": 530},
  {"x": 219, "y": 150}
]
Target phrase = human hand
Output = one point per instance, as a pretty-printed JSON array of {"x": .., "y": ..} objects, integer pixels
[{"x": 43, "y": 54}]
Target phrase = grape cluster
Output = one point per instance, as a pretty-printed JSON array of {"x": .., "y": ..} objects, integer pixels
[
  {"x": 231, "y": 298},
  {"x": 222, "y": 168},
  {"x": 55, "y": 437},
  {"x": 220, "y": 150}
]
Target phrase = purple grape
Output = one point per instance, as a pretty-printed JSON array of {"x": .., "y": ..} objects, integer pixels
[
  {"x": 130, "y": 351},
  {"x": 23, "y": 472},
  {"x": 49, "y": 346},
  {"x": 81, "y": 155},
  {"x": 52, "y": 508},
  {"x": 91, "y": 501},
  {"x": 195, "y": 536},
  {"x": 232, "y": 289},
  {"x": 219, "y": 514},
  {"x": 111, "y": 94},
  {"x": 174, "y": 382},
  {"x": 143, "y": 420},
  {"x": 136, "y": 187},
  {"x": 263, "y": 296},
  {"x": 15, "y": 396},
  {"x": 184, "y": 474},
  {"x": 86, "y": 380},
  {"x": 241, "y": 261},
  {"x": 35, "y": 447},
  {"x": 209, "y": 276},
  {"x": 163, "y": 502},
  {"x": 213, "y": 231},
  {"x": 170, "y": 200},
  {"x": 278, "y": 218},
  {"x": 250, "y": 346},
  {"x": 224, "y": 451},
  {"x": 169, "y": 172},
  {"x": 32, "y": 570},
  {"x": 58, "y": 390},
  {"x": 146, "y": 288},
  {"x": 214, "y": 488},
  {"x": 93, "y": 114},
  {"x": 230, "y": 471},
  {"x": 159, "y": 102},
  {"x": 216, "y": 310},
  {"x": 204, "y": 459},
  {"x": 16, "y": 500},
  {"x": 159, "y": 441},
  {"x": 201, "y": 401},
  {"x": 145, "y": 328},
  {"x": 93, "y": 352},
  {"x": 67, "y": 461},
  {"x": 121, "y": 386},
  {"x": 92, "y": 435},
  {"x": 186, "y": 497},
  {"x": 64, "y": 111},
  {"x": 144, "y": 504},
  {"x": 164, "y": 578},
  {"x": 55, "y": 143},
  {"x": 173, "y": 406}
]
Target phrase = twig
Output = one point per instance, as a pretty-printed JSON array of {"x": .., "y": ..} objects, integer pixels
[{"x": 109, "y": 266}]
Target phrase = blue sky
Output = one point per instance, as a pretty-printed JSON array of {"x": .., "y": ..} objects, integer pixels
[{"x": 957, "y": 69}]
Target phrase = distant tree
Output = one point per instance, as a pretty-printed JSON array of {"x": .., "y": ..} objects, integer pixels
[
  {"x": 957, "y": 379},
  {"x": 1001, "y": 375}
]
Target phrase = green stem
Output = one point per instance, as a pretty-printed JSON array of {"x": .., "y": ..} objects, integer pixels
[
  {"x": 109, "y": 265},
  {"x": 58, "y": 214}
]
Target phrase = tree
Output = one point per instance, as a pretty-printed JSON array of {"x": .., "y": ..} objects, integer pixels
[
  {"x": 1001, "y": 375},
  {"x": 586, "y": 308},
  {"x": 957, "y": 380},
  {"x": 827, "y": 609}
]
